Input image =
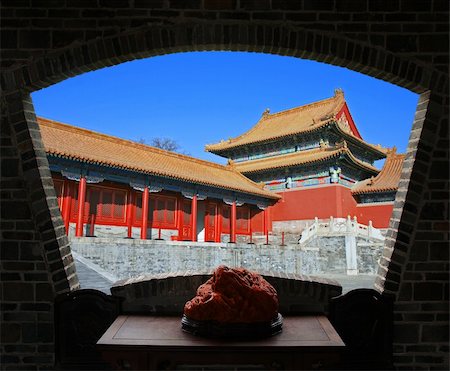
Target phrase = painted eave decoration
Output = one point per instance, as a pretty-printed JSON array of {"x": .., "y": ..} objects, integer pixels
[{"x": 306, "y": 157}]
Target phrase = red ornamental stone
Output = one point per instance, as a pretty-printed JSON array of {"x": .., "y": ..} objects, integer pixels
[{"x": 233, "y": 296}]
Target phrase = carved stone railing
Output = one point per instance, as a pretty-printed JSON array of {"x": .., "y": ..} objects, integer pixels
[{"x": 339, "y": 227}]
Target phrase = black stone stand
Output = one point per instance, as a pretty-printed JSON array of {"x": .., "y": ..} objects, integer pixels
[{"x": 237, "y": 331}]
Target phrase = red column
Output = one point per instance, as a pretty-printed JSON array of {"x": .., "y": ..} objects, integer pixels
[
  {"x": 144, "y": 214},
  {"x": 81, "y": 198},
  {"x": 130, "y": 213},
  {"x": 266, "y": 221},
  {"x": 233, "y": 223},
  {"x": 194, "y": 218},
  {"x": 67, "y": 202}
]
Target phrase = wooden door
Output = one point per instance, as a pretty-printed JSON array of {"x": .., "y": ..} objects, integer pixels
[
  {"x": 211, "y": 225},
  {"x": 186, "y": 221}
]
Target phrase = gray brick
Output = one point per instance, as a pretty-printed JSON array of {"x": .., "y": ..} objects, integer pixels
[{"x": 435, "y": 333}]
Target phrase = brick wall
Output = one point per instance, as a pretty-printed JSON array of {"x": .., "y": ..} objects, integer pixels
[
  {"x": 400, "y": 41},
  {"x": 412, "y": 29},
  {"x": 33, "y": 241}
]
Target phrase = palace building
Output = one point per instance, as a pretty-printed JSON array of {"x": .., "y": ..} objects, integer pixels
[
  {"x": 125, "y": 189},
  {"x": 313, "y": 156},
  {"x": 295, "y": 165}
]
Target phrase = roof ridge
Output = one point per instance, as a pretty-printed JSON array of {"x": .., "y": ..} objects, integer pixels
[
  {"x": 338, "y": 100},
  {"x": 118, "y": 140},
  {"x": 316, "y": 104},
  {"x": 229, "y": 140}
]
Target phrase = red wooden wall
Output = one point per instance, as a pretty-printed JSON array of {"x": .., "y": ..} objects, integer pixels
[{"x": 113, "y": 204}]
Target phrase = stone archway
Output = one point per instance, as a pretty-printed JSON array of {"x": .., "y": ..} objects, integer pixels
[
  {"x": 31, "y": 175},
  {"x": 157, "y": 40}
]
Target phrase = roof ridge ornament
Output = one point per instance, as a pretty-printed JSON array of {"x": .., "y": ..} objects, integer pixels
[
  {"x": 342, "y": 144},
  {"x": 391, "y": 151},
  {"x": 338, "y": 91},
  {"x": 323, "y": 144},
  {"x": 266, "y": 113}
]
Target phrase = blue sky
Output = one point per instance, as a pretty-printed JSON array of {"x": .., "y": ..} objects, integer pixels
[{"x": 202, "y": 97}]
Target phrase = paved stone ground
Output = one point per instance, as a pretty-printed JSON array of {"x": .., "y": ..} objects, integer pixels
[{"x": 90, "y": 278}]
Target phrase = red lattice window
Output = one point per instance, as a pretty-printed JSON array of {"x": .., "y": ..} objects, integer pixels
[
  {"x": 226, "y": 217},
  {"x": 186, "y": 213},
  {"x": 105, "y": 204},
  {"x": 119, "y": 204},
  {"x": 138, "y": 208},
  {"x": 74, "y": 206},
  {"x": 162, "y": 211},
  {"x": 170, "y": 211},
  {"x": 243, "y": 220}
]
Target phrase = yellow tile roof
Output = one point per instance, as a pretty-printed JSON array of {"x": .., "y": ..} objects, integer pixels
[
  {"x": 75, "y": 143},
  {"x": 388, "y": 178},
  {"x": 301, "y": 158},
  {"x": 297, "y": 120}
]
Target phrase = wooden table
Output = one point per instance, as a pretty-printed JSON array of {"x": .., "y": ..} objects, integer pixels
[{"x": 145, "y": 342}]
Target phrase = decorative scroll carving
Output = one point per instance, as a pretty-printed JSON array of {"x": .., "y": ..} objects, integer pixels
[
  {"x": 94, "y": 179},
  {"x": 344, "y": 124},
  {"x": 261, "y": 206},
  {"x": 228, "y": 201},
  {"x": 154, "y": 189},
  {"x": 201, "y": 197},
  {"x": 188, "y": 194},
  {"x": 289, "y": 182},
  {"x": 334, "y": 174},
  {"x": 239, "y": 203},
  {"x": 71, "y": 175},
  {"x": 137, "y": 186}
]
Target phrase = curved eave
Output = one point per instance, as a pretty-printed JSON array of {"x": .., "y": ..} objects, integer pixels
[
  {"x": 111, "y": 164},
  {"x": 314, "y": 112},
  {"x": 297, "y": 162},
  {"x": 388, "y": 178},
  {"x": 381, "y": 153},
  {"x": 297, "y": 159},
  {"x": 312, "y": 129},
  {"x": 353, "y": 160},
  {"x": 374, "y": 190}
]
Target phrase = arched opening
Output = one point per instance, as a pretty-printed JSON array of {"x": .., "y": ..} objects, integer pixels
[
  {"x": 262, "y": 38},
  {"x": 158, "y": 96}
]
